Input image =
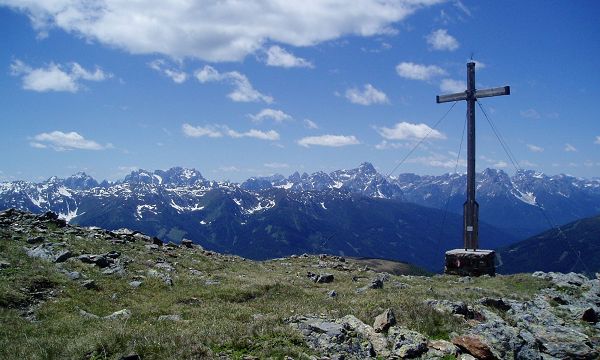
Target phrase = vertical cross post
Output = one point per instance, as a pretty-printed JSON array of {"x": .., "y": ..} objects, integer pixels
[{"x": 471, "y": 207}]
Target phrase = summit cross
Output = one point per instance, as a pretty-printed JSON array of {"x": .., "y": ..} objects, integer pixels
[{"x": 471, "y": 207}]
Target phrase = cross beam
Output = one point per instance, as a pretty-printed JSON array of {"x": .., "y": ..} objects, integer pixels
[{"x": 471, "y": 207}]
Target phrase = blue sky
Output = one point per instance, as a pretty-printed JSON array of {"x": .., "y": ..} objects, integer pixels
[{"x": 239, "y": 89}]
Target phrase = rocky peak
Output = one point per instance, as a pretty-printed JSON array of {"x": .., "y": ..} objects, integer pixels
[{"x": 80, "y": 181}]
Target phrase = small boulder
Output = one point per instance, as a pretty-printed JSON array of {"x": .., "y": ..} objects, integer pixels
[
  {"x": 384, "y": 320},
  {"x": 324, "y": 278},
  {"x": 4, "y": 264},
  {"x": 332, "y": 294},
  {"x": 407, "y": 343},
  {"x": 157, "y": 241},
  {"x": 63, "y": 256},
  {"x": 187, "y": 243},
  {"x": 475, "y": 346}
]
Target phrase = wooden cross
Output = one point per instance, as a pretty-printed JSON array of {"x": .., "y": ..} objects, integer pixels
[{"x": 471, "y": 207}]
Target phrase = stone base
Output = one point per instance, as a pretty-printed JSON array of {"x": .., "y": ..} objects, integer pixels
[{"x": 470, "y": 262}]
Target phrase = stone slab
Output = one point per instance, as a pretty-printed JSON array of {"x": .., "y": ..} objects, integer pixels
[{"x": 470, "y": 262}]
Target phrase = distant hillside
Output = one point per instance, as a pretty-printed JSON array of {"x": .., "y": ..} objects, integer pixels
[{"x": 556, "y": 250}]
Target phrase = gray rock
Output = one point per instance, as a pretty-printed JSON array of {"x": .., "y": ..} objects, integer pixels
[
  {"x": 35, "y": 240},
  {"x": 63, "y": 256},
  {"x": 332, "y": 294},
  {"x": 119, "y": 315},
  {"x": 73, "y": 275},
  {"x": 135, "y": 283},
  {"x": 43, "y": 252},
  {"x": 384, "y": 320},
  {"x": 406, "y": 343},
  {"x": 564, "y": 343},
  {"x": 324, "y": 278},
  {"x": 88, "y": 315},
  {"x": 4, "y": 264},
  {"x": 89, "y": 285},
  {"x": 451, "y": 307},
  {"x": 173, "y": 317},
  {"x": 152, "y": 247},
  {"x": 187, "y": 243},
  {"x": 441, "y": 348}
]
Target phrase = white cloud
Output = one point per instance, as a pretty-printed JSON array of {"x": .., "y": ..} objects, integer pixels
[
  {"x": 276, "y": 115},
  {"x": 276, "y": 165},
  {"x": 228, "y": 168},
  {"x": 407, "y": 131},
  {"x": 176, "y": 75},
  {"x": 214, "y": 30},
  {"x": 438, "y": 160},
  {"x": 452, "y": 86},
  {"x": 441, "y": 40},
  {"x": 328, "y": 140},
  {"x": 309, "y": 124},
  {"x": 535, "y": 148},
  {"x": 243, "y": 90},
  {"x": 597, "y": 141},
  {"x": 217, "y": 131},
  {"x": 414, "y": 71},
  {"x": 462, "y": 7},
  {"x": 199, "y": 131},
  {"x": 270, "y": 135},
  {"x": 61, "y": 141},
  {"x": 570, "y": 148},
  {"x": 368, "y": 96},
  {"x": 530, "y": 114},
  {"x": 55, "y": 77},
  {"x": 277, "y": 56},
  {"x": 478, "y": 64},
  {"x": 500, "y": 164}
]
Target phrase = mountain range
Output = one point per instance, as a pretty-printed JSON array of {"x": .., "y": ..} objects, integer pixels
[{"x": 355, "y": 212}]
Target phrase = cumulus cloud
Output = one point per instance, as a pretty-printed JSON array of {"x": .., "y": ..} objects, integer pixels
[
  {"x": 530, "y": 114},
  {"x": 328, "y": 140},
  {"x": 217, "y": 131},
  {"x": 535, "y": 148},
  {"x": 55, "y": 77},
  {"x": 407, "y": 131},
  {"x": 570, "y": 148},
  {"x": 309, "y": 124},
  {"x": 368, "y": 96},
  {"x": 200, "y": 131},
  {"x": 178, "y": 76},
  {"x": 270, "y": 114},
  {"x": 414, "y": 71},
  {"x": 277, "y": 56},
  {"x": 452, "y": 86},
  {"x": 214, "y": 30},
  {"x": 243, "y": 91},
  {"x": 441, "y": 40},
  {"x": 270, "y": 135},
  {"x": 61, "y": 141}
]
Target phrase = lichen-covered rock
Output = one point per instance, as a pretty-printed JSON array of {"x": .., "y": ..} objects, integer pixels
[{"x": 406, "y": 343}]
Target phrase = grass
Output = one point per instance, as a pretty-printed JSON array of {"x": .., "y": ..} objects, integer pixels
[{"x": 241, "y": 312}]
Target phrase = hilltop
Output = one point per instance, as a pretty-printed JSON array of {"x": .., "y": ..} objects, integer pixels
[{"x": 75, "y": 292}]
